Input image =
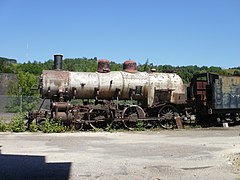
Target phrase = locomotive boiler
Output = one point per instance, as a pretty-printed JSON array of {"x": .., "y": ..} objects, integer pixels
[{"x": 106, "y": 94}]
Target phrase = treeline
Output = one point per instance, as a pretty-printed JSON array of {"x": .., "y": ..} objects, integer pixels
[{"x": 90, "y": 65}]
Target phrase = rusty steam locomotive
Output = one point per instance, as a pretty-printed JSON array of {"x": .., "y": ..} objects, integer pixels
[{"x": 128, "y": 96}]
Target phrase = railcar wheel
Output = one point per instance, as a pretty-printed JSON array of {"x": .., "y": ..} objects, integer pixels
[
  {"x": 132, "y": 114},
  {"x": 166, "y": 116}
]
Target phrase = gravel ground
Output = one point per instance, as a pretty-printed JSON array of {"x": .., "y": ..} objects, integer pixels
[{"x": 212, "y": 153}]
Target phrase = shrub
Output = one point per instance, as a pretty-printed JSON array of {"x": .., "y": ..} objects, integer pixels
[
  {"x": 17, "y": 124},
  {"x": 3, "y": 126},
  {"x": 33, "y": 127},
  {"x": 53, "y": 126}
]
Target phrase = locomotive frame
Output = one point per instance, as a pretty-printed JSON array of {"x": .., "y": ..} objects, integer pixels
[{"x": 160, "y": 98}]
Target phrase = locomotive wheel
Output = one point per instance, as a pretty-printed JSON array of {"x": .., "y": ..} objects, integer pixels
[
  {"x": 129, "y": 125},
  {"x": 117, "y": 124},
  {"x": 41, "y": 124},
  {"x": 79, "y": 126},
  {"x": 166, "y": 116},
  {"x": 133, "y": 113},
  {"x": 93, "y": 127},
  {"x": 99, "y": 125}
]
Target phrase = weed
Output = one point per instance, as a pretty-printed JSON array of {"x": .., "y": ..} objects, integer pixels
[
  {"x": 17, "y": 124},
  {"x": 3, "y": 126},
  {"x": 140, "y": 126},
  {"x": 33, "y": 127},
  {"x": 53, "y": 126},
  {"x": 109, "y": 128}
]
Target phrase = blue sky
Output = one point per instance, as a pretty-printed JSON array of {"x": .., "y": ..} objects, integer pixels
[{"x": 174, "y": 32}]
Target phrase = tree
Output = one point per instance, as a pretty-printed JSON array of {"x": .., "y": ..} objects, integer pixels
[
  {"x": 6, "y": 65},
  {"x": 23, "y": 98},
  {"x": 236, "y": 73}
]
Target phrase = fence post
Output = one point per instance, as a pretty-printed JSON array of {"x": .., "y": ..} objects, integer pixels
[
  {"x": 21, "y": 103},
  {"x": 20, "y": 92}
]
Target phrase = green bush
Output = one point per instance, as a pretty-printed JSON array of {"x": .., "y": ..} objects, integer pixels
[
  {"x": 17, "y": 124},
  {"x": 3, "y": 126},
  {"x": 33, "y": 127},
  {"x": 53, "y": 126}
]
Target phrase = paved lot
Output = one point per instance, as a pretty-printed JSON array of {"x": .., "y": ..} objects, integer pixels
[{"x": 179, "y": 154}]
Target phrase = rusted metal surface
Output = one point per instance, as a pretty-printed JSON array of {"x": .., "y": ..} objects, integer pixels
[
  {"x": 160, "y": 83},
  {"x": 110, "y": 85},
  {"x": 201, "y": 90},
  {"x": 61, "y": 106},
  {"x": 130, "y": 66},
  {"x": 83, "y": 85},
  {"x": 179, "y": 122},
  {"x": 133, "y": 113},
  {"x": 134, "y": 85},
  {"x": 114, "y": 85},
  {"x": 103, "y": 66},
  {"x": 54, "y": 82},
  {"x": 227, "y": 92}
]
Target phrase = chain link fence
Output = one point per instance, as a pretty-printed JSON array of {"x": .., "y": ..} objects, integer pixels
[{"x": 12, "y": 105}]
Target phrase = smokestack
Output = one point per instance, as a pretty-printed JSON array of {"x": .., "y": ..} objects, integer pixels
[{"x": 58, "y": 61}]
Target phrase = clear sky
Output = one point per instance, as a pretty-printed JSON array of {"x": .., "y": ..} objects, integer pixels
[{"x": 173, "y": 32}]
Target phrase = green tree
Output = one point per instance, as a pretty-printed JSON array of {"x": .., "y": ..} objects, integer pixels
[
  {"x": 6, "y": 65},
  {"x": 236, "y": 73},
  {"x": 26, "y": 81},
  {"x": 23, "y": 98}
]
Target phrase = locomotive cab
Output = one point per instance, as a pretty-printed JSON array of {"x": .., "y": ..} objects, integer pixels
[{"x": 200, "y": 90}]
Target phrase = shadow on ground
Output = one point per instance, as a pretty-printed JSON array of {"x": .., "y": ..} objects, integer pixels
[{"x": 31, "y": 167}]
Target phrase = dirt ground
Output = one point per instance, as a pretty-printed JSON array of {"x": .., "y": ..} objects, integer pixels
[{"x": 212, "y": 153}]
